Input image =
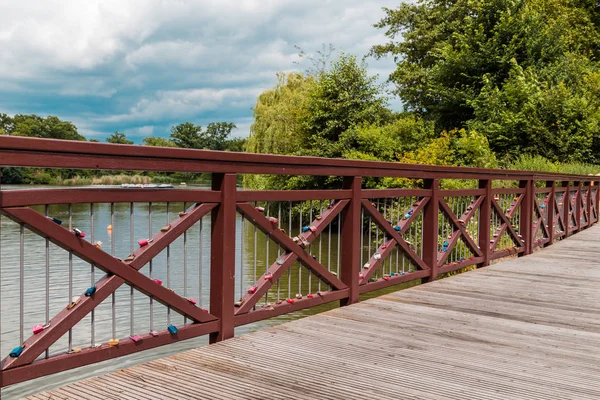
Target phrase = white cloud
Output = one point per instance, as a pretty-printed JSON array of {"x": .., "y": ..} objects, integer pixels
[{"x": 138, "y": 63}]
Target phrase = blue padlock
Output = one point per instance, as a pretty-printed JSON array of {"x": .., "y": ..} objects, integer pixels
[
  {"x": 16, "y": 352},
  {"x": 90, "y": 291},
  {"x": 446, "y": 244},
  {"x": 410, "y": 212},
  {"x": 173, "y": 329},
  {"x": 397, "y": 228},
  {"x": 55, "y": 220},
  {"x": 406, "y": 216},
  {"x": 305, "y": 229},
  {"x": 445, "y": 249}
]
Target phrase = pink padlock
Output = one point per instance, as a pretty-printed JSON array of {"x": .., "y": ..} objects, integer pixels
[
  {"x": 361, "y": 276},
  {"x": 191, "y": 301},
  {"x": 135, "y": 338},
  {"x": 268, "y": 276},
  {"x": 273, "y": 220},
  {"x": 309, "y": 296},
  {"x": 78, "y": 233},
  {"x": 252, "y": 289},
  {"x": 39, "y": 328},
  {"x": 261, "y": 209},
  {"x": 158, "y": 281}
]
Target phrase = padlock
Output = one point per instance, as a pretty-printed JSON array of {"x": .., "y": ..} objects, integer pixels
[
  {"x": 410, "y": 212},
  {"x": 386, "y": 278},
  {"x": 290, "y": 301},
  {"x": 384, "y": 246},
  {"x": 182, "y": 214},
  {"x": 312, "y": 228},
  {"x": 154, "y": 333},
  {"x": 157, "y": 281},
  {"x": 260, "y": 209},
  {"x": 397, "y": 228},
  {"x": 273, "y": 220},
  {"x": 305, "y": 243},
  {"x": 74, "y": 350},
  {"x": 282, "y": 230},
  {"x": 129, "y": 258},
  {"x": 444, "y": 249},
  {"x": 172, "y": 329},
  {"x": 319, "y": 217},
  {"x": 90, "y": 291},
  {"x": 305, "y": 229},
  {"x": 144, "y": 242},
  {"x": 78, "y": 233},
  {"x": 279, "y": 302},
  {"x": 239, "y": 303},
  {"x": 165, "y": 228},
  {"x": 496, "y": 198},
  {"x": 191, "y": 301},
  {"x": 401, "y": 272},
  {"x": 367, "y": 266},
  {"x": 361, "y": 276},
  {"x": 446, "y": 244},
  {"x": 372, "y": 280},
  {"x": 113, "y": 342},
  {"x": 98, "y": 244},
  {"x": 309, "y": 296},
  {"x": 55, "y": 220},
  {"x": 298, "y": 296},
  {"x": 252, "y": 289},
  {"x": 268, "y": 277},
  {"x": 37, "y": 329},
  {"x": 73, "y": 303},
  {"x": 280, "y": 261},
  {"x": 203, "y": 310},
  {"x": 295, "y": 239},
  {"x": 377, "y": 256},
  {"x": 406, "y": 216},
  {"x": 469, "y": 208},
  {"x": 135, "y": 338}
]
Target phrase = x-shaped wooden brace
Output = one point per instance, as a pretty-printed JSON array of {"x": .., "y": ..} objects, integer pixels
[
  {"x": 573, "y": 223},
  {"x": 506, "y": 224},
  {"x": 559, "y": 210},
  {"x": 118, "y": 272},
  {"x": 395, "y": 238},
  {"x": 593, "y": 207},
  {"x": 293, "y": 251},
  {"x": 540, "y": 220},
  {"x": 583, "y": 204},
  {"x": 459, "y": 229}
]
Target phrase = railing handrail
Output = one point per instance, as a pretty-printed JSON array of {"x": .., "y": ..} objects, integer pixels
[{"x": 54, "y": 153}]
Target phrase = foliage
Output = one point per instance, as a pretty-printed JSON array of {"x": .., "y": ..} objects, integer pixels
[
  {"x": 490, "y": 65},
  {"x": 158, "y": 142},
  {"x": 118, "y": 138},
  {"x": 36, "y": 126},
  {"x": 190, "y": 136}
]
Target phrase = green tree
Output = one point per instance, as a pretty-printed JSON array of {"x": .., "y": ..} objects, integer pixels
[
  {"x": 118, "y": 138},
  {"x": 36, "y": 126},
  {"x": 191, "y": 136},
  {"x": 452, "y": 56},
  {"x": 158, "y": 142}
]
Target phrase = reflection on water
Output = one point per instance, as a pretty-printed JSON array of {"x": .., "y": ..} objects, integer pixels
[{"x": 184, "y": 267}]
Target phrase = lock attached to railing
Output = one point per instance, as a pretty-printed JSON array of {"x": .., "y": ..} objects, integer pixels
[
  {"x": 113, "y": 342},
  {"x": 55, "y": 220},
  {"x": 40, "y": 328},
  {"x": 78, "y": 232},
  {"x": 172, "y": 329},
  {"x": 144, "y": 242},
  {"x": 90, "y": 291},
  {"x": 135, "y": 338}
]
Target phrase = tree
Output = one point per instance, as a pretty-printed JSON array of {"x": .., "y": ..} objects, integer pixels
[
  {"x": 118, "y": 138},
  {"x": 158, "y": 142},
  {"x": 36, "y": 126},
  {"x": 190, "y": 136},
  {"x": 449, "y": 52}
]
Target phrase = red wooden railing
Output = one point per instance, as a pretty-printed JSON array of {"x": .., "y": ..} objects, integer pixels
[{"x": 431, "y": 229}]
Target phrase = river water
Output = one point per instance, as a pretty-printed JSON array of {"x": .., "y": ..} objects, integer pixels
[{"x": 185, "y": 269}]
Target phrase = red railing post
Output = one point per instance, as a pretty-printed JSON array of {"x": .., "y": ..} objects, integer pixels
[
  {"x": 431, "y": 228},
  {"x": 222, "y": 256},
  {"x": 351, "y": 231},
  {"x": 485, "y": 214},
  {"x": 526, "y": 221},
  {"x": 550, "y": 209}
]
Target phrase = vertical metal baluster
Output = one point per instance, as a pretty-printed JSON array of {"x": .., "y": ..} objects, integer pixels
[
  {"x": 268, "y": 239},
  {"x": 370, "y": 238},
  {"x": 328, "y": 253},
  {"x": 200, "y": 263},
  {"x": 339, "y": 241},
  {"x": 22, "y": 282},
  {"x": 407, "y": 233},
  {"x": 0, "y": 269},
  {"x": 185, "y": 262},
  {"x": 299, "y": 264},
  {"x": 131, "y": 294},
  {"x": 384, "y": 234},
  {"x": 70, "y": 274},
  {"x": 150, "y": 266},
  {"x": 242, "y": 259},
  {"x": 362, "y": 237},
  {"x": 310, "y": 219},
  {"x": 255, "y": 250},
  {"x": 47, "y": 280},
  {"x": 320, "y": 248},
  {"x": 377, "y": 230},
  {"x": 278, "y": 249},
  {"x": 397, "y": 246},
  {"x": 92, "y": 281},
  {"x": 290, "y": 267},
  {"x": 112, "y": 252},
  {"x": 168, "y": 263}
]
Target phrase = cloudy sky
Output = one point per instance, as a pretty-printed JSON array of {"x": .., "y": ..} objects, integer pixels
[{"x": 141, "y": 66}]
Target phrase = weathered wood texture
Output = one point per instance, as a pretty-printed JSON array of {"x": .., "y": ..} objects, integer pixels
[{"x": 527, "y": 328}]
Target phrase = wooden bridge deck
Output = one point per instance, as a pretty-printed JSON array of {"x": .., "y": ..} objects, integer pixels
[{"x": 526, "y": 328}]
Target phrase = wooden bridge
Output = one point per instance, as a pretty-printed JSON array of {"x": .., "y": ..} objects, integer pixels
[
  {"x": 177, "y": 264},
  {"x": 526, "y": 328}
]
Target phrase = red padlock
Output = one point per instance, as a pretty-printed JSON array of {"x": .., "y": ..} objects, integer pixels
[
  {"x": 309, "y": 296},
  {"x": 78, "y": 233},
  {"x": 191, "y": 300},
  {"x": 143, "y": 242},
  {"x": 361, "y": 276},
  {"x": 290, "y": 301},
  {"x": 386, "y": 278},
  {"x": 39, "y": 328},
  {"x": 268, "y": 276},
  {"x": 158, "y": 281},
  {"x": 273, "y": 220},
  {"x": 252, "y": 289}
]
